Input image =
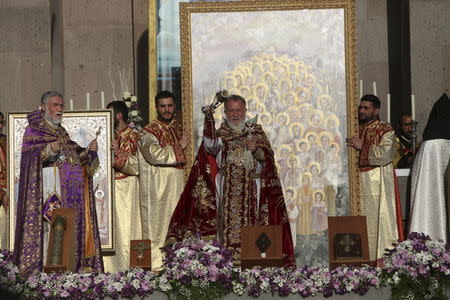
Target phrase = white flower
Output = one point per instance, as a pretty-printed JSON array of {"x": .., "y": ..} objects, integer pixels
[
  {"x": 69, "y": 284},
  {"x": 134, "y": 113},
  {"x": 135, "y": 283},
  {"x": 128, "y": 104},
  {"x": 164, "y": 286},
  {"x": 133, "y": 99},
  {"x": 396, "y": 278},
  {"x": 126, "y": 95},
  {"x": 118, "y": 286},
  {"x": 209, "y": 247},
  {"x": 181, "y": 251},
  {"x": 238, "y": 288}
]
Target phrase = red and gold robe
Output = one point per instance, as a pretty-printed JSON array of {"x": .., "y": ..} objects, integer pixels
[
  {"x": 404, "y": 156},
  {"x": 380, "y": 201},
  {"x": 161, "y": 161},
  {"x": 127, "y": 217},
  {"x": 231, "y": 188}
]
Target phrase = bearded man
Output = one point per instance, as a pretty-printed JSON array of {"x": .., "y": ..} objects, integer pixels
[
  {"x": 127, "y": 218},
  {"x": 161, "y": 177},
  {"x": 233, "y": 183},
  {"x": 380, "y": 201},
  {"x": 404, "y": 156},
  {"x": 55, "y": 172}
]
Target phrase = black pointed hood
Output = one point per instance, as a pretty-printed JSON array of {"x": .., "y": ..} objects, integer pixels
[{"x": 438, "y": 125}]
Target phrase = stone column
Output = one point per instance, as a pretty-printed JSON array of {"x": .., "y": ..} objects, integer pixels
[
  {"x": 93, "y": 48},
  {"x": 24, "y": 53}
]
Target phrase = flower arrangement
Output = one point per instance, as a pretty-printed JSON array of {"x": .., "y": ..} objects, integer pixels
[
  {"x": 10, "y": 279},
  {"x": 127, "y": 284},
  {"x": 134, "y": 116},
  {"x": 198, "y": 269},
  {"x": 417, "y": 268},
  {"x": 306, "y": 281},
  {"x": 346, "y": 280}
]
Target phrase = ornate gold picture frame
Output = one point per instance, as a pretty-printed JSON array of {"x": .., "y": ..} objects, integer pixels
[
  {"x": 295, "y": 63},
  {"x": 82, "y": 127}
]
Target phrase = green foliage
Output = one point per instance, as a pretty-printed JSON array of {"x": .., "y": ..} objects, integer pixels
[
  {"x": 423, "y": 287},
  {"x": 197, "y": 292}
]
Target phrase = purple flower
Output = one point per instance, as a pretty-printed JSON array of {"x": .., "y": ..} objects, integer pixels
[
  {"x": 195, "y": 262},
  {"x": 422, "y": 269},
  {"x": 397, "y": 261},
  {"x": 284, "y": 291}
]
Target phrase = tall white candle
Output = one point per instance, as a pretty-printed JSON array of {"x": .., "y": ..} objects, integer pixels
[
  {"x": 103, "y": 99},
  {"x": 360, "y": 88},
  {"x": 71, "y": 104},
  {"x": 388, "y": 117},
  {"x": 88, "y": 100},
  {"x": 374, "y": 88},
  {"x": 413, "y": 106}
]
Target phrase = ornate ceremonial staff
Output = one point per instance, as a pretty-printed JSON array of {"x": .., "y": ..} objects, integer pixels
[
  {"x": 85, "y": 151},
  {"x": 219, "y": 98},
  {"x": 208, "y": 111}
]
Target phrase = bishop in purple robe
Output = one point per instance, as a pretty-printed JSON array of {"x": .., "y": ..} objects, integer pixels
[{"x": 47, "y": 144}]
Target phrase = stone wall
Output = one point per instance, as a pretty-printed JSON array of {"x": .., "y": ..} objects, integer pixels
[
  {"x": 72, "y": 46},
  {"x": 372, "y": 48},
  {"x": 93, "y": 40},
  {"x": 24, "y": 53},
  {"x": 98, "y": 47},
  {"x": 430, "y": 54}
]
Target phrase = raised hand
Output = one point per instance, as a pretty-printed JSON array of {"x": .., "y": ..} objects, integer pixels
[
  {"x": 93, "y": 146},
  {"x": 184, "y": 141},
  {"x": 55, "y": 146},
  {"x": 250, "y": 143},
  {"x": 208, "y": 111},
  {"x": 355, "y": 142}
]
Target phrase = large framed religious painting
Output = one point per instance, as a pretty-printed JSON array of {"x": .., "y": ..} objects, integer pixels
[
  {"x": 294, "y": 63},
  {"x": 82, "y": 127}
]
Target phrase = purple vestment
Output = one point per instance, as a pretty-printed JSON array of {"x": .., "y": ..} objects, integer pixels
[{"x": 75, "y": 166}]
